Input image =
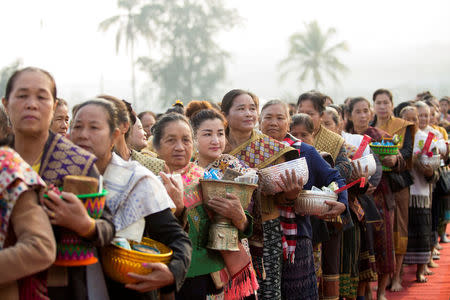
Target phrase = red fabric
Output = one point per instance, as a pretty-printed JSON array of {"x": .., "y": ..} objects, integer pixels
[
  {"x": 437, "y": 287},
  {"x": 287, "y": 218}
]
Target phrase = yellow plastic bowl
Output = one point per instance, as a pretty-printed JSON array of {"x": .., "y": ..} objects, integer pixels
[{"x": 118, "y": 262}]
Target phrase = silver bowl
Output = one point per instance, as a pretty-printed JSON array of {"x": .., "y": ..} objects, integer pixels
[
  {"x": 434, "y": 162},
  {"x": 369, "y": 161},
  {"x": 313, "y": 202},
  {"x": 270, "y": 176}
]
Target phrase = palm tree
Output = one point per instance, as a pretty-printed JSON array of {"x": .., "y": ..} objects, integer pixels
[
  {"x": 131, "y": 24},
  {"x": 310, "y": 53}
]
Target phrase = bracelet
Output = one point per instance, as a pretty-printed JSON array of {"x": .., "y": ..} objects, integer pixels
[{"x": 91, "y": 228}]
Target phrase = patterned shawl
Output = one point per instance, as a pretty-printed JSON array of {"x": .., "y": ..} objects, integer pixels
[
  {"x": 16, "y": 177},
  {"x": 133, "y": 192},
  {"x": 61, "y": 157},
  {"x": 260, "y": 150},
  {"x": 328, "y": 141}
]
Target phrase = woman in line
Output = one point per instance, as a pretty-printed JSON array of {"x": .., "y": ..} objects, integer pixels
[
  {"x": 209, "y": 127},
  {"x": 312, "y": 103},
  {"x": 30, "y": 100},
  {"x": 173, "y": 141},
  {"x": 419, "y": 225},
  {"x": 400, "y": 179},
  {"x": 60, "y": 123},
  {"x": 299, "y": 278},
  {"x": 137, "y": 200},
  {"x": 259, "y": 151},
  {"x": 377, "y": 224},
  {"x": 27, "y": 244},
  {"x": 127, "y": 120}
]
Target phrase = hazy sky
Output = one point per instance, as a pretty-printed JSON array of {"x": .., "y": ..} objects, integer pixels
[{"x": 401, "y": 45}]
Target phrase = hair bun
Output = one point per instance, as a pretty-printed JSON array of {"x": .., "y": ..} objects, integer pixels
[{"x": 195, "y": 106}]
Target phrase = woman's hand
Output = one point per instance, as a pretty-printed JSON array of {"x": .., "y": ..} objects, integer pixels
[
  {"x": 371, "y": 189},
  {"x": 159, "y": 277},
  {"x": 358, "y": 172},
  {"x": 389, "y": 161},
  {"x": 426, "y": 170},
  {"x": 231, "y": 208},
  {"x": 175, "y": 192},
  {"x": 336, "y": 208},
  {"x": 291, "y": 185},
  {"x": 69, "y": 213}
]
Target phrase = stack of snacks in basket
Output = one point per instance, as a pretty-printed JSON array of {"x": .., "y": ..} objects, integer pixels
[
  {"x": 386, "y": 147},
  {"x": 71, "y": 249}
]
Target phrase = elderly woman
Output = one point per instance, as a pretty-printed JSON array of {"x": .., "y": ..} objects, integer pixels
[
  {"x": 400, "y": 179},
  {"x": 209, "y": 127},
  {"x": 60, "y": 123},
  {"x": 298, "y": 278},
  {"x": 173, "y": 141},
  {"x": 27, "y": 244},
  {"x": 30, "y": 100},
  {"x": 138, "y": 201},
  {"x": 419, "y": 225}
]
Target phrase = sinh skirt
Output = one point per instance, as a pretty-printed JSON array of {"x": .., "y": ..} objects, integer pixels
[
  {"x": 298, "y": 281},
  {"x": 419, "y": 236}
]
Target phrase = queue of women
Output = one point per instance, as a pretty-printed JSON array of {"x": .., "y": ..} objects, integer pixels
[{"x": 393, "y": 218}]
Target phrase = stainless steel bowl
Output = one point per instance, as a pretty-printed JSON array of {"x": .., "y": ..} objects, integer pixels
[
  {"x": 434, "y": 162},
  {"x": 369, "y": 161},
  {"x": 313, "y": 202},
  {"x": 270, "y": 176}
]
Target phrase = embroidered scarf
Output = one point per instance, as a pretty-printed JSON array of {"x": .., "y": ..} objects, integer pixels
[
  {"x": 133, "y": 192},
  {"x": 61, "y": 157},
  {"x": 260, "y": 150}
]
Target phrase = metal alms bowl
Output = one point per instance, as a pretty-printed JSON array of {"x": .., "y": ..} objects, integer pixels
[
  {"x": 270, "y": 176},
  {"x": 313, "y": 202},
  {"x": 368, "y": 161},
  {"x": 434, "y": 162}
]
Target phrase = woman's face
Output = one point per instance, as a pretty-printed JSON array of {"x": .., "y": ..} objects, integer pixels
[
  {"x": 176, "y": 145},
  {"x": 424, "y": 116},
  {"x": 361, "y": 115},
  {"x": 211, "y": 139},
  {"x": 91, "y": 131},
  {"x": 300, "y": 132},
  {"x": 137, "y": 139},
  {"x": 328, "y": 122},
  {"x": 275, "y": 121},
  {"x": 147, "y": 123},
  {"x": 243, "y": 114},
  {"x": 411, "y": 116},
  {"x": 307, "y": 107},
  {"x": 383, "y": 106},
  {"x": 434, "y": 120},
  {"x": 30, "y": 105},
  {"x": 60, "y": 123}
]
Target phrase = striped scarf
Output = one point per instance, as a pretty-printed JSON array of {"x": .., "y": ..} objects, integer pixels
[{"x": 287, "y": 215}]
